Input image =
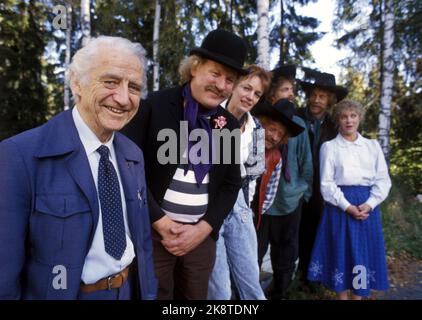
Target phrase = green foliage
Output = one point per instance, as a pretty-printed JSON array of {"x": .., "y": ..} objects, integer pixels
[
  {"x": 402, "y": 219},
  {"x": 295, "y": 34},
  {"x": 23, "y": 72}
]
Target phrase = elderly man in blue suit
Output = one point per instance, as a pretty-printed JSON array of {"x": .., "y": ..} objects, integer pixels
[{"x": 74, "y": 222}]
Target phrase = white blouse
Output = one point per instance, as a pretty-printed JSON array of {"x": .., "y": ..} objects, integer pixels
[{"x": 357, "y": 163}]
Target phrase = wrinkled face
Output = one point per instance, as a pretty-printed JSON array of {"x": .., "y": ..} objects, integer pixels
[
  {"x": 211, "y": 83},
  {"x": 348, "y": 122},
  {"x": 246, "y": 95},
  {"x": 111, "y": 97},
  {"x": 275, "y": 133},
  {"x": 318, "y": 102},
  {"x": 285, "y": 90}
]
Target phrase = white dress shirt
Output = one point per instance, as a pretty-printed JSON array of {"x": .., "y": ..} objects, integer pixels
[
  {"x": 98, "y": 263},
  {"x": 357, "y": 163}
]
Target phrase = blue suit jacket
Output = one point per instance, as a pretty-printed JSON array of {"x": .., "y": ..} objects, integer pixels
[{"x": 49, "y": 211}]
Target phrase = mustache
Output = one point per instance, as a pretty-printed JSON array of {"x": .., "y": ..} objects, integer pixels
[{"x": 217, "y": 91}]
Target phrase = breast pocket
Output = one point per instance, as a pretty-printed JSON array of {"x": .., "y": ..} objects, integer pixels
[{"x": 60, "y": 227}]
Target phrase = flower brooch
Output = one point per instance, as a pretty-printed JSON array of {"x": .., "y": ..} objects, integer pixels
[{"x": 220, "y": 122}]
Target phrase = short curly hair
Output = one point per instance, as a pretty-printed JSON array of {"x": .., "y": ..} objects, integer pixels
[{"x": 348, "y": 104}]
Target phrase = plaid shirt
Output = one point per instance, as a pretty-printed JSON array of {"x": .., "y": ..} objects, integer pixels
[{"x": 272, "y": 187}]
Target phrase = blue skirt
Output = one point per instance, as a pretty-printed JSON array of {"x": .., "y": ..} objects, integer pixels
[{"x": 350, "y": 253}]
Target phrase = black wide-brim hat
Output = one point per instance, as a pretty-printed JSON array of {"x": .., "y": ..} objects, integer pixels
[
  {"x": 322, "y": 80},
  {"x": 281, "y": 111},
  {"x": 286, "y": 71},
  {"x": 224, "y": 47}
]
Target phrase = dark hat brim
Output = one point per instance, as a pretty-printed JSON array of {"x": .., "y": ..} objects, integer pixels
[
  {"x": 220, "y": 59},
  {"x": 286, "y": 71},
  {"x": 266, "y": 110},
  {"x": 339, "y": 91}
]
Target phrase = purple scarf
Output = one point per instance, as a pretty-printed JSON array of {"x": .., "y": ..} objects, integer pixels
[{"x": 197, "y": 117}]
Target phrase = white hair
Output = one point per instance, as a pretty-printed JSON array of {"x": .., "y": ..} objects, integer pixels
[{"x": 86, "y": 58}]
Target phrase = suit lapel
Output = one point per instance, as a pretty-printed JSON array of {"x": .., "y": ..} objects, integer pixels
[{"x": 176, "y": 104}]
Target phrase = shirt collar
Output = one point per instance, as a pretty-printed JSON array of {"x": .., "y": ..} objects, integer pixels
[
  {"x": 89, "y": 140},
  {"x": 344, "y": 143},
  {"x": 250, "y": 123}
]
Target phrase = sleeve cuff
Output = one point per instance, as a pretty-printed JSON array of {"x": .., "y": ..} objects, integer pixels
[
  {"x": 344, "y": 204},
  {"x": 372, "y": 203}
]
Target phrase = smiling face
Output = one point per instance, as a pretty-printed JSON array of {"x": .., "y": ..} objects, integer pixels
[
  {"x": 211, "y": 83},
  {"x": 245, "y": 95},
  {"x": 348, "y": 123},
  {"x": 111, "y": 96},
  {"x": 275, "y": 133}
]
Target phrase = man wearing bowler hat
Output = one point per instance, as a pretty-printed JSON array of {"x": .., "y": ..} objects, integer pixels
[
  {"x": 322, "y": 94},
  {"x": 189, "y": 200}
]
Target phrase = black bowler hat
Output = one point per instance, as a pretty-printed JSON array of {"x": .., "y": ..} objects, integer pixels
[
  {"x": 323, "y": 80},
  {"x": 224, "y": 47},
  {"x": 282, "y": 111},
  {"x": 286, "y": 71}
]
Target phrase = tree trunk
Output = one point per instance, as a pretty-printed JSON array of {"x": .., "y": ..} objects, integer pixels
[
  {"x": 156, "y": 47},
  {"x": 68, "y": 55},
  {"x": 263, "y": 34},
  {"x": 387, "y": 78},
  {"x": 281, "y": 62},
  {"x": 85, "y": 22}
]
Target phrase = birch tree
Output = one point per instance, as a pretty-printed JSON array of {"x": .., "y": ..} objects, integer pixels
[
  {"x": 263, "y": 34},
  {"x": 85, "y": 22},
  {"x": 68, "y": 55},
  {"x": 155, "y": 46},
  {"x": 384, "y": 118}
]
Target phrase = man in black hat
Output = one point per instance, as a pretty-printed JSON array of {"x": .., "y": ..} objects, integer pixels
[
  {"x": 295, "y": 185},
  {"x": 283, "y": 83},
  {"x": 322, "y": 94},
  {"x": 189, "y": 200},
  {"x": 272, "y": 227}
]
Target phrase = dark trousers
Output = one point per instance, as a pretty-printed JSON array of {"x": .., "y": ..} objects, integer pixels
[
  {"x": 282, "y": 232},
  {"x": 185, "y": 277},
  {"x": 311, "y": 214}
]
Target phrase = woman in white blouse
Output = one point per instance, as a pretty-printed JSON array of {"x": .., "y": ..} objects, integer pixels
[{"x": 349, "y": 251}]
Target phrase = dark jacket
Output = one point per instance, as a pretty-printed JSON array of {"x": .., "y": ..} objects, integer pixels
[
  {"x": 328, "y": 132},
  {"x": 164, "y": 110}
]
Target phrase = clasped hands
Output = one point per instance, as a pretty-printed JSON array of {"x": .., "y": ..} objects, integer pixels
[
  {"x": 360, "y": 212},
  {"x": 179, "y": 239}
]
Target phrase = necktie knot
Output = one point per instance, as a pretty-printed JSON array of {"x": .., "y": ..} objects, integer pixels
[{"x": 104, "y": 152}]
